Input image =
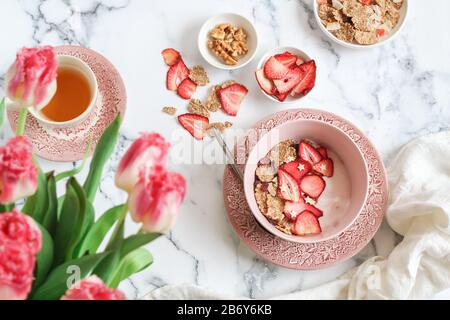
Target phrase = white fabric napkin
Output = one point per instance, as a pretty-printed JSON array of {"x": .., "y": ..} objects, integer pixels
[{"x": 419, "y": 210}]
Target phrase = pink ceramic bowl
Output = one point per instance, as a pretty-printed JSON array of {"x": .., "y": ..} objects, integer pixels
[{"x": 345, "y": 193}]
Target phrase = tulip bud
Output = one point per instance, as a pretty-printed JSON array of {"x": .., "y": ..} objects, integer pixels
[
  {"x": 156, "y": 198},
  {"x": 148, "y": 150},
  {"x": 18, "y": 173},
  {"x": 20, "y": 241},
  {"x": 31, "y": 80},
  {"x": 92, "y": 288}
]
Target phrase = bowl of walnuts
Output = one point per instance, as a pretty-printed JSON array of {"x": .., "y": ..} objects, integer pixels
[{"x": 228, "y": 41}]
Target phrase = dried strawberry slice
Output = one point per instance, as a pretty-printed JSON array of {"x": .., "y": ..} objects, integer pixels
[
  {"x": 325, "y": 167},
  {"x": 298, "y": 168},
  {"x": 306, "y": 224},
  {"x": 176, "y": 74},
  {"x": 293, "y": 209},
  {"x": 274, "y": 69},
  {"x": 195, "y": 124},
  {"x": 171, "y": 56},
  {"x": 186, "y": 89},
  {"x": 308, "y": 153},
  {"x": 231, "y": 98},
  {"x": 288, "y": 188},
  {"x": 312, "y": 185},
  {"x": 266, "y": 84},
  {"x": 287, "y": 58},
  {"x": 323, "y": 152},
  {"x": 308, "y": 78}
]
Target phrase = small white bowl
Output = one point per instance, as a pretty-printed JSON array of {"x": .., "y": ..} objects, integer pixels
[
  {"x": 238, "y": 21},
  {"x": 384, "y": 40},
  {"x": 262, "y": 62}
]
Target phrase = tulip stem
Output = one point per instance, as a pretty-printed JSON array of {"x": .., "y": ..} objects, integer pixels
[
  {"x": 118, "y": 225},
  {"x": 21, "y": 122}
]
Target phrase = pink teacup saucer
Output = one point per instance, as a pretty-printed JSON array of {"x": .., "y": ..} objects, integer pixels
[
  {"x": 308, "y": 255},
  {"x": 69, "y": 144}
]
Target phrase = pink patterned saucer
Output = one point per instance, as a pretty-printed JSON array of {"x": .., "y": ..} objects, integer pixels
[
  {"x": 316, "y": 255},
  {"x": 69, "y": 144}
]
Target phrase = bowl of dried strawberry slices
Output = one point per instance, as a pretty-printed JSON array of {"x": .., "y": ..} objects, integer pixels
[
  {"x": 306, "y": 181},
  {"x": 286, "y": 74}
]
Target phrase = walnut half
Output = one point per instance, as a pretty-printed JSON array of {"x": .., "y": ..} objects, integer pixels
[{"x": 227, "y": 42}]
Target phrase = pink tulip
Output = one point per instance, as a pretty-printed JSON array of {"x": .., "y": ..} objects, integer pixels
[
  {"x": 92, "y": 288},
  {"x": 20, "y": 228},
  {"x": 20, "y": 241},
  {"x": 18, "y": 173},
  {"x": 156, "y": 198},
  {"x": 149, "y": 150},
  {"x": 31, "y": 80}
]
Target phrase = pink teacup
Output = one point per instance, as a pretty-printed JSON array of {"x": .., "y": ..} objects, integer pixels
[{"x": 345, "y": 193}]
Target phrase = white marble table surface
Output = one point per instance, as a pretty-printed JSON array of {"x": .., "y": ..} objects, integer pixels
[{"x": 394, "y": 93}]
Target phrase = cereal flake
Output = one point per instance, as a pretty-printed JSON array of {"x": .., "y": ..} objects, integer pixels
[
  {"x": 221, "y": 126},
  {"x": 261, "y": 198},
  {"x": 275, "y": 207},
  {"x": 196, "y": 106},
  {"x": 265, "y": 172},
  {"x": 282, "y": 153},
  {"x": 366, "y": 37},
  {"x": 345, "y": 33},
  {"x": 212, "y": 102},
  {"x": 199, "y": 76},
  {"x": 285, "y": 226},
  {"x": 169, "y": 110}
]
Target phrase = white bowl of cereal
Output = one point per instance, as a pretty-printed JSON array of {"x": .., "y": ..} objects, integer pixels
[
  {"x": 360, "y": 23},
  {"x": 228, "y": 41}
]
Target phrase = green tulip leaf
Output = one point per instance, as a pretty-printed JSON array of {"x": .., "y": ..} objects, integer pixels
[
  {"x": 36, "y": 205},
  {"x": 135, "y": 241},
  {"x": 99, "y": 230},
  {"x": 87, "y": 225},
  {"x": 89, "y": 220},
  {"x": 67, "y": 220},
  {"x": 105, "y": 269},
  {"x": 84, "y": 221},
  {"x": 70, "y": 222},
  {"x": 119, "y": 249},
  {"x": 51, "y": 216},
  {"x": 44, "y": 258},
  {"x": 60, "y": 203},
  {"x": 103, "y": 151},
  {"x": 2, "y": 111},
  {"x": 59, "y": 280},
  {"x": 132, "y": 263}
]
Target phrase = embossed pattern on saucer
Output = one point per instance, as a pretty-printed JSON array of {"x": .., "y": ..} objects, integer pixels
[
  {"x": 307, "y": 256},
  {"x": 69, "y": 144}
]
